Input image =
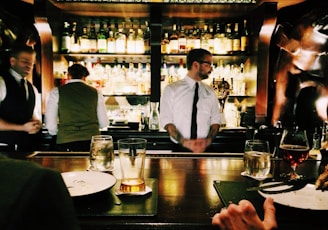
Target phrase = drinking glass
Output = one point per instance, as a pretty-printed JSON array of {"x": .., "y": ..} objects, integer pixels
[
  {"x": 257, "y": 158},
  {"x": 102, "y": 153},
  {"x": 294, "y": 147},
  {"x": 132, "y": 153}
]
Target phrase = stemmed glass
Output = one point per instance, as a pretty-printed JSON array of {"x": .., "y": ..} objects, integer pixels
[{"x": 294, "y": 146}]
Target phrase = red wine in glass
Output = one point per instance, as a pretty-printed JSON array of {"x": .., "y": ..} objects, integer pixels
[{"x": 294, "y": 147}]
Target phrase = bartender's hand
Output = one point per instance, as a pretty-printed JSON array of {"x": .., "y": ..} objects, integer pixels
[
  {"x": 322, "y": 181},
  {"x": 197, "y": 145},
  {"x": 244, "y": 217},
  {"x": 32, "y": 127}
]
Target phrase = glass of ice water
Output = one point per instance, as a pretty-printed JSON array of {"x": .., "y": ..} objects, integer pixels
[
  {"x": 102, "y": 153},
  {"x": 257, "y": 158}
]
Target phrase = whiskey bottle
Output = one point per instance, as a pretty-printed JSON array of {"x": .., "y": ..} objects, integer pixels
[{"x": 165, "y": 44}]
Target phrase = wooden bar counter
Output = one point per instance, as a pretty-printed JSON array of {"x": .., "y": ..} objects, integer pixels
[{"x": 186, "y": 198}]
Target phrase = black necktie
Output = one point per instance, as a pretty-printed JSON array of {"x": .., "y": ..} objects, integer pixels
[
  {"x": 23, "y": 87},
  {"x": 193, "y": 134}
]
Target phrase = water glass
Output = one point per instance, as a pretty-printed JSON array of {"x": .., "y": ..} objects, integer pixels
[
  {"x": 257, "y": 158},
  {"x": 102, "y": 153}
]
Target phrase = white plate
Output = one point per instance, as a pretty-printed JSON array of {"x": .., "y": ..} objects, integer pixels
[
  {"x": 305, "y": 198},
  {"x": 81, "y": 183}
]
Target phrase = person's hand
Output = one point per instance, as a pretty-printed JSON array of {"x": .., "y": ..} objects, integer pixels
[
  {"x": 244, "y": 216},
  {"x": 32, "y": 127},
  {"x": 322, "y": 182},
  {"x": 196, "y": 145}
]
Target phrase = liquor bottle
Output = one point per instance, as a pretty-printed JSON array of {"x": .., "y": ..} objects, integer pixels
[
  {"x": 196, "y": 37},
  {"x": 66, "y": 38},
  {"x": 102, "y": 39},
  {"x": 219, "y": 40},
  {"x": 190, "y": 41},
  {"x": 121, "y": 40},
  {"x": 244, "y": 39},
  {"x": 131, "y": 42},
  {"x": 92, "y": 37},
  {"x": 236, "y": 39},
  {"x": 84, "y": 40},
  {"x": 75, "y": 46},
  {"x": 229, "y": 43},
  {"x": 210, "y": 40},
  {"x": 146, "y": 37},
  {"x": 174, "y": 43},
  {"x": 165, "y": 44},
  {"x": 140, "y": 48},
  {"x": 182, "y": 40},
  {"x": 111, "y": 47}
]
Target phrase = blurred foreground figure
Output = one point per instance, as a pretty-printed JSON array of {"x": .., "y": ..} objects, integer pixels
[{"x": 34, "y": 198}]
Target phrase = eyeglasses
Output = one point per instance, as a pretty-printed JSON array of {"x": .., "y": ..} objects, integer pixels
[{"x": 205, "y": 62}]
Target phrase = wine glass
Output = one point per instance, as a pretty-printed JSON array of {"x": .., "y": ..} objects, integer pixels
[{"x": 294, "y": 147}]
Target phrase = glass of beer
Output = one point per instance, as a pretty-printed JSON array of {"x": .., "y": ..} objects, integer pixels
[
  {"x": 132, "y": 154},
  {"x": 294, "y": 147},
  {"x": 102, "y": 153}
]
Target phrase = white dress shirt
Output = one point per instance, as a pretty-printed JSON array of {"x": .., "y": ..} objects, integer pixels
[
  {"x": 51, "y": 115},
  {"x": 176, "y": 107},
  {"x": 3, "y": 93}
]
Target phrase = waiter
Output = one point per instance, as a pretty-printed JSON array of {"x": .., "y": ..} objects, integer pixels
[{"x": 20, "y": 118}]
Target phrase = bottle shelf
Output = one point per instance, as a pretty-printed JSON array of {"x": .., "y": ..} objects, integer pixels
[{"x": 107, "y": 58}]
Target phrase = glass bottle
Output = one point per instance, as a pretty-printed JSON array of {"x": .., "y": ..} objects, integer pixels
[
  {"x": 182, "y": 40},
  {"x": 146, "y": 38},
  {"x": 102, "y": 39},
  {"x": 121, "y": 40},
  {"x": 66, "y": 38},
  {"x": 92, "y": 38},
  {"x": 174, "y": 43},
  {"x": 229, "y": 43},
  {"x": 236, "y": 39},
  {"x": 165, "y": 47},
  {"x": 111, "y": 47},
  {"x": 244, "y": 39},
  {"x": 131, "y": 42},
  {"x": 140, "y": 48},
  {"x": 84, "y": 40},
  {"x": 75, "y": 46},
  {"x": 154, "y": 116}
]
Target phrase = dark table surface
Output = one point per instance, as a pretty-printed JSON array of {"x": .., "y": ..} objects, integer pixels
[{"x": 186, "y": 198}]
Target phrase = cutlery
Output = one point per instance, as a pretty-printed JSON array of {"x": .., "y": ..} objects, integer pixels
[{"x": 300, "y": 182}]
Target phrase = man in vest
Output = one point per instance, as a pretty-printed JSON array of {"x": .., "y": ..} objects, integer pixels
[
  {"x": 75, "y": 112},
  {"x": 20, "y": 116}
]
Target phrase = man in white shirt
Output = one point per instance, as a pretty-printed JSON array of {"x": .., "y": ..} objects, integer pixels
[
  {"x": 177, "y": 105},
  {"x": 75, "y": 112},
  {"x": 20, "y": 116}
]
